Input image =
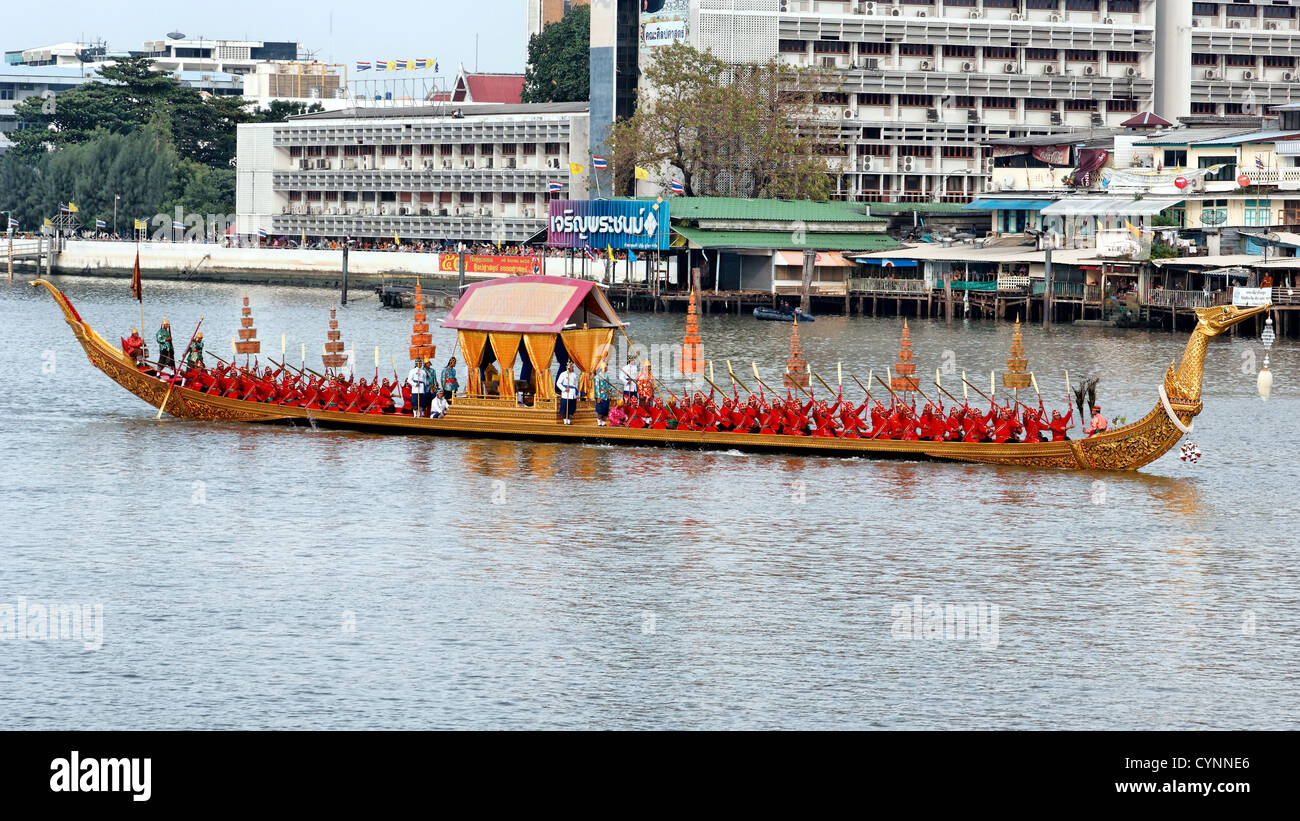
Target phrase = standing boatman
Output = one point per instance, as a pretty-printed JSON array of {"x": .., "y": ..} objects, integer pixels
[
  {"x": 449, "y": 382},
  {"x": 417, "y": 379},
  {"x": 630, "y": 372},
  {"x": 194, "y": 353},
  {"x": 567, "y": 383},
  {"x": 166, "y": 350},
  {"x": 602, "y": 390}
]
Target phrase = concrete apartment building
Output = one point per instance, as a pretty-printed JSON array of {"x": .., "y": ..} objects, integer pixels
[
  {"x": 921, "y": 85},
  {"x": 442, "y": 171}
]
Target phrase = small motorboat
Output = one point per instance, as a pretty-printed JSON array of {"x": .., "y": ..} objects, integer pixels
[{"x": 777, "y": 315}]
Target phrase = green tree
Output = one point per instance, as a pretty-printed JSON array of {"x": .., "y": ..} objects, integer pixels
[
  {"x": 559, "y": 60},
  {"x": 280, "y": 110},
  {"x": 746, "y": 130}
]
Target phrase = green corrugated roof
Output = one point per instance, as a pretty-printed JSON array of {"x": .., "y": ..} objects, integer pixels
[
  {"x": 784, "y": 240},
  {"x": 742, "y": 208},
  {"x": 919, "y": 207}
]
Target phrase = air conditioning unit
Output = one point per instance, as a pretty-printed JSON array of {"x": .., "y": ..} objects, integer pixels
[
  {"x": 1057, "y": 119},
  {"x": 383, "y": 210},
  {"x": 1133, "y": 72},
  {"x": 896, "y": 12},
  {"x": 976, "y": 14},
  {"x": 869, "y": 63},
  {"x": 865, "y": 163},
  {"x": 870, "y": 8},
  {"x": 1050, "y": 68},
  {"x": 365, "y": 163},
  {"x": 1015, "y": 15},
  {"x": 460, "y": 212},
  {"x": 1089, "y": 71},
  {"x": 988, "y": 166},
  {"x": 828, "y": 62},
  {"x": 303, "y": 165},
  {"x": 1272, "y": 25},
  {"x": 972, "y": 116},
  {"x": 968, "y": 67},
  {"x": 1196, "y": 23},
  {"x": 511, "y": 162},
  {"x": 406, "y": 164},
  {"x": 922, "y": 14},
  {"x": 1247, "y": 75},
  {"x": 428, "y": 164},
  {"x": 848, "y": 113},
  {"x": 932, "y": 115},
  {"x": 530, "y": 212},
  {"x": 1108, "y": 21},
  {"x": 1010, "y": 68},
  {"x": 553, "y": 162},
  {"x": 469, "y": 163},
  {"x": 446, "y": 163},
  {"x": 485, "y": 212},
  {"x": 1211, "y": 74},
  {"x": 487, "y": 162},
  {"x": 926, "y": 65},
  {"x": 442, "y": 212},
  {"x": 350, "y": 165},
  {"x": 1289, "y": 76},
  {"x": 909, "y": 163},
  {"x": 1097, "y": 119},
  {"x": 1053, "y": 18}
]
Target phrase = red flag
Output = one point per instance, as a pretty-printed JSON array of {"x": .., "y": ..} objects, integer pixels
[{"x": 135, "y": 280}]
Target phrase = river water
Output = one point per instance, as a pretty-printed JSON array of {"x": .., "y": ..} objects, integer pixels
[{"x": 258, "y": 577}]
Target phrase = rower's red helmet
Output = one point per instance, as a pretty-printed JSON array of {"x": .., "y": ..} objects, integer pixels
[{"x": 1096, "y": 408}]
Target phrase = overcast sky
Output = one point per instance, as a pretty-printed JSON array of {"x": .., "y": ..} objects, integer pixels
[{"x": 359, "y": 30}]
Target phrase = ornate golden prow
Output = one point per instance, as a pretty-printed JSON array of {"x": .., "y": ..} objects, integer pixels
[{"x": 1185, "y": 382}]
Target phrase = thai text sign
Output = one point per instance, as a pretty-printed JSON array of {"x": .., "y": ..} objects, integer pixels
[
  {"x": 601, "y": 224},
  {"x": 1251, "y": 297},
  {"x": 491, "y": 264}
]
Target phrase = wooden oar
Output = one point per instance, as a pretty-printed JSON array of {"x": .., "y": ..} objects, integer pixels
[
  {"x": 945, "y": 393},
  {"x": 736, "y": 379},
  {"x": 980, "y": 392},
  {"x": 829, "y": 389},
  {"x": 891, "y": 390},
  {"x": 164, "y": 402}
]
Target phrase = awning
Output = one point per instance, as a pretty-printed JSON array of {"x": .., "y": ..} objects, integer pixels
[
  {"x": 530, "y": 304},
  {"x": 825, "y": 259},
  {"x": 1008, "y": 205},
  {"x": 769, "y": 240},
  {"x": 888, "y": 262},
  {"x": 1102, "y": 206}
]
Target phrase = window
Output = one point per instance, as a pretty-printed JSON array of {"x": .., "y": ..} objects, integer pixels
[
  {"x": 1080, "y": 105},
  {"x": 1000, "y": 4},
  {"x": 1284, "y": 12},
  {"x": 406, "y": 150},
  {"x": 958, "y": 101},
  {"x": 1224, "y": 174},
  {"x": 874, "y": 150},
  {"x": 832, "y": 98},
  {"x": 1122, "y": 107},
  {"x": 1050, "y": 5},
  {"x": 830, "y": 47},
  {"x": 1240, "y": 11},
  {"x": 1278, "y": 61},
  {"x": 915, "y": 151},
  {"x": 1082, "y": 5},
  {"x": 959, "y": 51},
  {"x": 1205, "y": 9},
  {"x": 1121, "y": 56},
  {"x": 1002, "y": 103},
  {"x": 960, "y": 3},
  {"x": 915, "y": 100},
  {"x": 874, "y": 49},
  {"x": 1040, "y": 104},
  {"x": 1080, "y": 55},
  {"x": 1239, "y": 60},
  {"x": 1043, "y": 54},
  {"x": 1259, "y": 213},
  {"x": 1231, "y": 109},
  {"x": 792, "y": 46},
  {"x": 388, "y": 151},
  {"x": 1210, "y": 60},
  {"x": 874, "y": 99},
  {"x": 1122, "y": 6},
  {"x": 1205, "y": 108},
  {"x": 1175, "y": 158},
  {"x": 915, "y": 50},
  {"x": 957, "y": 152},
  {"x": 999, "y": 53}
]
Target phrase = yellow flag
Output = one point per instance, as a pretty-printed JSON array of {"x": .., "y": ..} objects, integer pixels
[
  {"x": 72, "y": 208},
  {"x": 392, "y": 65},
  {"x": 610, "y": 250},
  {"x": 1137, "y": 234},
  {"x": 410, "y": 65},
  {"x": 640, "y": 173},
  {"x": 47, "y": 221},
  {"x": 396, "y": 239},
  {"x": 575, "y": 168},
  {"x": 141, "y": 225},
  {"x": 303, "y": 244}
]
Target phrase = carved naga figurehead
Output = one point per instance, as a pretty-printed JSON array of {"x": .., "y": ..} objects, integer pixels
[{"x": 1216, "y": 320}]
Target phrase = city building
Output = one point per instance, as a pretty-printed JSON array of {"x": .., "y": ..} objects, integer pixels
[
  {"x": 482, "y": 87},
  {"x": 541, "y": 13},
  {"x": 434, "y": 172},
  {"x": 920, "y": 85},
  {"x": 18, "y": 82}
]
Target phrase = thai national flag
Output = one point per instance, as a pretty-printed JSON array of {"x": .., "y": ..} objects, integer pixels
[
  {"x": 261, "y": 233},
  {"x": 63, "y": 209},
  {"x": 555, "y": 186},
  {"x": 599, "y": 163},
  {"x": 100, "y": 224},
  {"x": 178, "y": 225},
  {"x": 591, "y": 255},
  {"x": 676, "y": 187},
  {"x": 13, "y": 223},
  {"x": 1259, "y": 163},
  {"x": 363, "y": 65}
]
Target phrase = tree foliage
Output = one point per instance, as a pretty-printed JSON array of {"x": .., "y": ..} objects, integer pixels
[
  {"x": 559, "y": 60},
  {"x": 731, "y": 130}
]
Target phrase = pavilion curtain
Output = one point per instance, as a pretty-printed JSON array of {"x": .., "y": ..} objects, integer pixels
[
  {"x": 584, "y": 347},
  {"x": 471, "y": 351},
  {"x": 541, "y": 349},
  {"x": 505, "y": 346}
]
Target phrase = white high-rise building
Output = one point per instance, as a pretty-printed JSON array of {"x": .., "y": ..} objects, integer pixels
[{"x": 922, "y": 84}]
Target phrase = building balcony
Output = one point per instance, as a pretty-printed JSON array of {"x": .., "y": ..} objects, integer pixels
[{"x": 478, "y": 179}]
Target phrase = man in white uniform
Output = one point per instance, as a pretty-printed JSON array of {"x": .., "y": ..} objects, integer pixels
[
  {"x": 567, "y": 384},
  {"x": 630, "y": 373},
  {"x": 417, "y": 379}
]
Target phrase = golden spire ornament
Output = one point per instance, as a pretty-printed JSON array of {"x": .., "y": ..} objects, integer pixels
[
  {"x": 692, "y": 351},
  {"x": 248, "y": 343},
  {"x": 903, "y": 378},
  {"x": 334, "y": 357},
  {"x": 422, "y": 346},
  {"x": 796, "y": 368},
  {"x": 1016, "y": 375}
]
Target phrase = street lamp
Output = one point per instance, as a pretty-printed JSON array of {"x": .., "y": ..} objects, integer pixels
[{"x": 116, "y": 197}]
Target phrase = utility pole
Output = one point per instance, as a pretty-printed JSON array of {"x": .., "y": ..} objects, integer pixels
[
  {"x": 343, "y": 299},
  {"x": 116, "y": 197},
  {"x": 805, "y": 299},
  {"x": 1047, "y": 287}
]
